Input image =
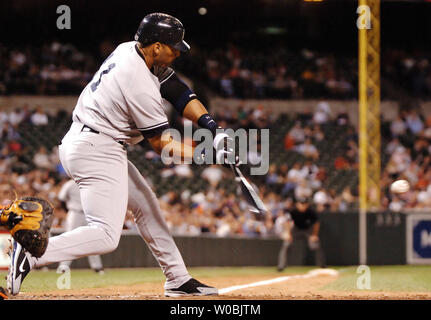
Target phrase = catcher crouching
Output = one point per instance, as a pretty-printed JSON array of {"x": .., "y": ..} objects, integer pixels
[{"x": 29, "y": 220}]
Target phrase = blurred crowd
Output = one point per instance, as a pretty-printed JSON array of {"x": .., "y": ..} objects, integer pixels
[
  {"x": 280, "y": 72},
  {"x": 54, "y": 68},
  {"x": 61, "y": 68},
  {"x": 409, "y": 156},
  {"x": 35, "y": 170},
  {"x": 244, "y": 73}
]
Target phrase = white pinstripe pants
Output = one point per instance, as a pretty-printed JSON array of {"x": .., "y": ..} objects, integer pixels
[{"x": 108, "y": 184}]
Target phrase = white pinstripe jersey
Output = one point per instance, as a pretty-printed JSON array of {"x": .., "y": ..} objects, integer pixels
[{"x": 123, "y": 99}]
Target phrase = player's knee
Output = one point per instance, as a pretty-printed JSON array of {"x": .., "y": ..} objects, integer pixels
[
  {"x": 112, "y": 243},
  {"x": 110, "y": 240}
]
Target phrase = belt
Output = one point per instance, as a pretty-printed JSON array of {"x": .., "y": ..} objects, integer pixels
[{"x": 86, "y": 128}]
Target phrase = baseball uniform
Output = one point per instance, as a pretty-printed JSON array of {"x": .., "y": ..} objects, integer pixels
[
  {"x": 120, "y": 105},
  {"x": 303, "y": 222}
]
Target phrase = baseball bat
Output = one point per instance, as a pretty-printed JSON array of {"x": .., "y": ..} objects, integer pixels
[{"x": 251, "y": 196}]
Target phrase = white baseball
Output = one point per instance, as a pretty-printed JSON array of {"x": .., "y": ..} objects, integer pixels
[{"x": 400, "y": 186}]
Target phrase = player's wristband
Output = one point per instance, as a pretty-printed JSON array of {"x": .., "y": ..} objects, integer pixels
[{"x": 207, "y": 122}]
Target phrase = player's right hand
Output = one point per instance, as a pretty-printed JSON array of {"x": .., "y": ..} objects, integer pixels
[{"x": 224, "y": 151}]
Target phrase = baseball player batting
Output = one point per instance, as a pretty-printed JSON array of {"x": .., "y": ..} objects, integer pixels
[
  {"x": 71, "y": 201},
  {"x": 122, "y": 104}
]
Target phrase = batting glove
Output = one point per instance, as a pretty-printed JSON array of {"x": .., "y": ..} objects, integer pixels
[{"x": 224, "y": 150}]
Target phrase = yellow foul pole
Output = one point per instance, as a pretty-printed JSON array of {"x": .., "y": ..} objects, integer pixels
[{"x": 369, "y": 115}]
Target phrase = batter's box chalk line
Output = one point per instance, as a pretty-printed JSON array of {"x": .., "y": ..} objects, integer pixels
[{"x": 308, "y": 275}]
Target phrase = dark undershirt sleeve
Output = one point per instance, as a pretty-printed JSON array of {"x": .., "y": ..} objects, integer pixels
[
  {"x": 153, "y": 131},
  {"x": 174, "y": 90}
]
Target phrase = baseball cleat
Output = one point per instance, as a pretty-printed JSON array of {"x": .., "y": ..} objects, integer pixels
[
  {"x": 191, "y": 288},
  {"x": 20, "y": 266}
]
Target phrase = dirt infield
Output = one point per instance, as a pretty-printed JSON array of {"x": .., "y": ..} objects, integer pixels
[{"x": 292, "y": 289}]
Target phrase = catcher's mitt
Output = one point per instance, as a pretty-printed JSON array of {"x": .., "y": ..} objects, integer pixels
[{"x": 29, "y": 221}]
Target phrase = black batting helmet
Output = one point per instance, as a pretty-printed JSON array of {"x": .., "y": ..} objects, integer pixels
[{"x": 163, "y": 28}]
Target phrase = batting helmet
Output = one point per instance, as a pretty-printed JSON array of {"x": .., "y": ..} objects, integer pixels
[{"x": 163, "y": 28}]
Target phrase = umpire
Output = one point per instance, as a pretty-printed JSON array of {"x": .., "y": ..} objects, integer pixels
[{"x": 302, "y": 223}]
